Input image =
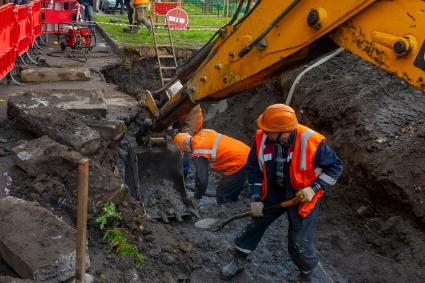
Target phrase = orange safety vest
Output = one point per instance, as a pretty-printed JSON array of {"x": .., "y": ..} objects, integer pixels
[
  {"x": 138, "y": 2},
  {"x": 302, "y": 171},
  {"x": 225, "y": 154}
]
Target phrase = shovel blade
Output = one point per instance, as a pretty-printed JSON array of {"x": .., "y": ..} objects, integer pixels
[{"x": 206, "y": 223}]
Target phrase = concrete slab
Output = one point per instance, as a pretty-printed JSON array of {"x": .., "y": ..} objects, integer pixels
[
  {"x": 39, "y": 117},
  {"x": 92, "y": 102},
  {"x": 45, "y": 155},
  {"x": 43, "y": 74},
  {"x": 36, "y": 243}
]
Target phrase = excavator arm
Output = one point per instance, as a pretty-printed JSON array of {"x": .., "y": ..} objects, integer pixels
[{"x": 275, "y": 37}]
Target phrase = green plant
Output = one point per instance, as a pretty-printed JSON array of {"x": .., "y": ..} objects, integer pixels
[
  {"x": 109, "y": 212},
  {"x": 116, "y": 239}
]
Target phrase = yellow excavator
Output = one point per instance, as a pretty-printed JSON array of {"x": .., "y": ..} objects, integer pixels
[{"x": 274, "y": 37}]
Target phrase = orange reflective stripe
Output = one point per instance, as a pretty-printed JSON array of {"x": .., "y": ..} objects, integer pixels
[{"x": 302, "y": 170}]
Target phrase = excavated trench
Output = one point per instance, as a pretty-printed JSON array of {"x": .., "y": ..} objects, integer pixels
[{"x": 372, "y": 223}]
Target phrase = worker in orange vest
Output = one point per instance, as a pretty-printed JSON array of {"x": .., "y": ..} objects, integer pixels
[
  {"x": 286, "y": 160},
  {"x": 140, "y": 10},
  {"x": 222, "y": 154}
]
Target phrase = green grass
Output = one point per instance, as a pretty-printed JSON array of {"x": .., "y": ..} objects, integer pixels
[
  {"x": 116, "y": 238},
  {"x": 193, "y": 38}
]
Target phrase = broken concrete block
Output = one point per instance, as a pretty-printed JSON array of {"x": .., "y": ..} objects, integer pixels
[
  {"x": 108, "y": 130},
  {"x": 39, "y": 117},
  {"x": 55, "y": 74},
  {"x": 36, "y": 243},
  {"x": 44, "y": 155},
  {"x": 105, "y": 186},
  {"x": 97, "y": 110},
  {"x": 93, "y": 102}
]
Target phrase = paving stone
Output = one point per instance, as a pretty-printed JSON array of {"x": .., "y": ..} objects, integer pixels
[
  {"x": 39, "y": 117},
  {"x": 35, "y": 243},
  {"x": 55, "y": 74},
  {"x": 44, "y": 155}
]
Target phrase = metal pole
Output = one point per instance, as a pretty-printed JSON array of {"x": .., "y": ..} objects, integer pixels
[{"x": 83, "y": 184}]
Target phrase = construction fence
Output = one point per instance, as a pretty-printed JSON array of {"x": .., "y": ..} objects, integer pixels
[{"x": 19, "y": 26}]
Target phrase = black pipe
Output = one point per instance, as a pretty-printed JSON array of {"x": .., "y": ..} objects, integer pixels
[{"x": 248, "y": 48}]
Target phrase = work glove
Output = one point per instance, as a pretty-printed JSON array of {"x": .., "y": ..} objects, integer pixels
[
  {"x": 256, "y": 209},
  {"x": 305, "y": 194}
]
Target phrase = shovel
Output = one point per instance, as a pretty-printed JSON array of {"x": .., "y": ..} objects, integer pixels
[{"x": 217, "y": 224}]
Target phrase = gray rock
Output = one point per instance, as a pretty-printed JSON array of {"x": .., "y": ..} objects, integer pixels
[
  {"x": 44, "y": 155},
  {"x": 36, "y": 243}
]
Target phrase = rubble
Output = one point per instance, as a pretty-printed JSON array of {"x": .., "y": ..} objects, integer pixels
[
  {"x": 44, "y": 155},
  {"x": 35, "y": 243},
  {"x": 37, "y": 116}
]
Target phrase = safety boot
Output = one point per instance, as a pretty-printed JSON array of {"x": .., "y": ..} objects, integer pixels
[{"x": 235, "y": 266}]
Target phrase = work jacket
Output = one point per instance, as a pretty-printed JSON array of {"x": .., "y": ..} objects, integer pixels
[
  {"x": 224, "y": 154},
  {"x": 307, "y": 168}
]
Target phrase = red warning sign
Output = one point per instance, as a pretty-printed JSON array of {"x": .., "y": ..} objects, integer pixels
[{"x": 177, "y": 19}]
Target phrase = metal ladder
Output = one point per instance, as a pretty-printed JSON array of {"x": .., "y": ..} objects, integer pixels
[{"x": 164, "y": 51}]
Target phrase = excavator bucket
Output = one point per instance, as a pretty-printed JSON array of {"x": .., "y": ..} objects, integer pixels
[{"x": 161, "y": 182}]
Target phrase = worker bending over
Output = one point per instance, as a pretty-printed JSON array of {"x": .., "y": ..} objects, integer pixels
[
  {"x": 224, "y": 155},
  {"x": 286, "y": 160}
]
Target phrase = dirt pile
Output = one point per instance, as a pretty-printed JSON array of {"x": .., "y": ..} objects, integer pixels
[{"x": 140, "y": 70}]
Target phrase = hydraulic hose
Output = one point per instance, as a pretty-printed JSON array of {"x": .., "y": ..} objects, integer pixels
[{"x": 300, "y": 75}]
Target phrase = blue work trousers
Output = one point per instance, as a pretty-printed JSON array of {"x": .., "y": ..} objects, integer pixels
[
  {"x": 231, "y": 186},
  {"x": 88, "y": 14},
  {"x": 301, "y": 234},
  {"x": 186, "y": 163}
]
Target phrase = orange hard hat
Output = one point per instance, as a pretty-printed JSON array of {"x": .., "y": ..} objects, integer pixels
[
  {"x": 179, "y": 139},
  {"x": 277, "y": 118}
]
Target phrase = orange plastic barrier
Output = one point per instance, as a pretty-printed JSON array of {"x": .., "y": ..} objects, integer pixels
[
  {"x": 24, "y": 28},
  {"x": 8, "y": 39},
  {"x": 35, "y": 7}
]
